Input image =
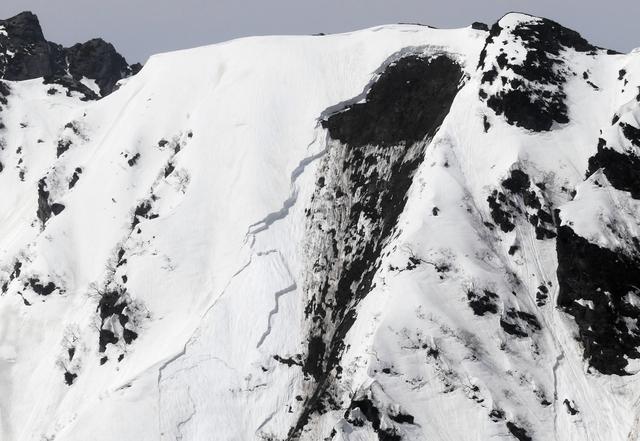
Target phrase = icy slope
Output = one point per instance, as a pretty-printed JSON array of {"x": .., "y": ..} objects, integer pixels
[{"x": 398, "y": 233}]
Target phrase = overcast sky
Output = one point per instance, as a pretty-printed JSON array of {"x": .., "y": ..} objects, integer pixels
[{"x": 140, "y": 28}]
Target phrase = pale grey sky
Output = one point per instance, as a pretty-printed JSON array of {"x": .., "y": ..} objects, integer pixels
[{"x": 140, "y": 28}]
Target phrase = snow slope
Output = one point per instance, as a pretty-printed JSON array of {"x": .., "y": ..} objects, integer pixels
[{"x": 350, "y": 237}]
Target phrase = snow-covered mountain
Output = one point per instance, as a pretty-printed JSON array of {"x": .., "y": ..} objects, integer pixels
[{"x": 401, "y": 233}]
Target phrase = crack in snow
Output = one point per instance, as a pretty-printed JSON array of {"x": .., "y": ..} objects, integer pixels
[
  {"x": 181, "y": 424},
  {"x": 559, "y": 358},
  {"x": 250, "y": 239},
  {"x": 184, "y": 349},
  {"x": 200, "y": 361},
  {"x": 171, "y": 360},
  {"x": 271, "y": 218},
  {"x": 266, "y": 253},
  {"x": 275, "y": 311},
  {"x": 266, "y": 222},
  {"x": 265, "y": 422}
]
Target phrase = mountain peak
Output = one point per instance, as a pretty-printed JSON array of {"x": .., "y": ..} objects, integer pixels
[
  {"x": 26, "y": 54},
  {"x": 24, "y": 26}
]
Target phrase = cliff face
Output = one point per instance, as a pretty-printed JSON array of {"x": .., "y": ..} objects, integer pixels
[{"x": 401, "y": 233}]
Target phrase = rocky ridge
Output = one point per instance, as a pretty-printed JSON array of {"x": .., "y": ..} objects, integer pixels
[{"x": 26, "y": 54}]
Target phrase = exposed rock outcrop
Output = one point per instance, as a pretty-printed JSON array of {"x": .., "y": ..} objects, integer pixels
[{"x": 26, "y": 54}]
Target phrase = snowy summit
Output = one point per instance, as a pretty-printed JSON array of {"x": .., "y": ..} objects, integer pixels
[{"x": 401, "y": 233}]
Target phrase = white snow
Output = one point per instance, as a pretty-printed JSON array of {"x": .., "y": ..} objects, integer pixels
[
  {"x": 215, "y": 281},
  {"x": 91, "y": 84}
]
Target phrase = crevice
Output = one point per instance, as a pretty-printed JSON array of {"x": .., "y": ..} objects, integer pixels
[
  {"x": 271, "y": 218},
  {"x": 183, "y": 423},
  {"x": 249, "y": 241},
  {"x": 264, "y": 423},
  {"x": 184, "y": 349},
  {"x": 275, "y": 311},
  {"x": 556, "y": 411}
]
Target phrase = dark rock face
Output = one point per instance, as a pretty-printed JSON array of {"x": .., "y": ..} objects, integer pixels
[
  {"x": 363, "y": 181},
  {"x": 621, "y": 169},
  {"x": 69, "y": 378},
  {"x": 45, "y": 207},
  {"x": 33, "y": 56},
  {"x": 533, "y": 97},
  {"x": 113, "y": 307},
  {"x": 371, "y": 413},
  {"x": 407, "y": 103},
  {"x": 41, "y": 288},
  {"x": 595, "y": 285},
  {"x": 518, "y": 432},
  {"x": 98, "y": 60},
  {"x": 479, "y": 26},
  {"x": 520, "y": 198},
  {"x": 26, "y": 54},
  {"x": 482, "y": 303}
]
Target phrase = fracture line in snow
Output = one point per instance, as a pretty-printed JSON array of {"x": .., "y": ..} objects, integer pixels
[
  {"x": 275, "y": 311},
  {"x": 244, "y": 267},
  {"x": 269, "y": 418},
  {"x": 171, "y": 360},
  {"x": 264, "y": 224},
  {"x": 271, "y": 218},
  {"x": 266, "y": 253},
  {"x": 555, "y": 390},
  {"x": 184, "y": 349},
  {"x": 250, "y": 239},
  {"x": 199, "y": 361},
  {"x": 185, "y": 422}
]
